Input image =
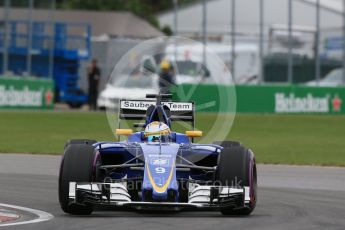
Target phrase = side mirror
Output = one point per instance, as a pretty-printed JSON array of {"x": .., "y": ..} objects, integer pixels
[
  {"x": 204, "y": 71},
  {"x": 149, "y": 66},
  {"x": 124, "y": 132},
  {"x": 194, "y": 133}
]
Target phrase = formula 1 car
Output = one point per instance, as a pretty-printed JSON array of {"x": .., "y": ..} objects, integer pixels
[{"x": 156, "y": 168}]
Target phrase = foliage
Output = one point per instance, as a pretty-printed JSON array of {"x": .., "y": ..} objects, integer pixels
[{"x": 145, "y": 9}]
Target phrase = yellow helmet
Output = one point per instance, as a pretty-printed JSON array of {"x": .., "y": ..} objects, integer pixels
[
  {"x": 157, "y": 131},
  {"x": 165, "y": 65}
]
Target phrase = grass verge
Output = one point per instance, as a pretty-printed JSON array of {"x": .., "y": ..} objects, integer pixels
[{"x": 277, "y": 139}]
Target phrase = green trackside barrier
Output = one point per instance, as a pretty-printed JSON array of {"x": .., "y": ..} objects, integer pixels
[
  {"x": 26, "y": 93},
  {"x": 268, "y": 98},
  {"x": 208, "y": 98}
]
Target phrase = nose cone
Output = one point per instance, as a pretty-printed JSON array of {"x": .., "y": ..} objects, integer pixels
[{"x": 160, "y": 171}]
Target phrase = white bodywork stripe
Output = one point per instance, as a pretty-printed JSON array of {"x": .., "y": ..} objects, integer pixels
[{"x": 118, "y": 191}]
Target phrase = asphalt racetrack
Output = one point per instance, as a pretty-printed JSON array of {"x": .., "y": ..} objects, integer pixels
[{"x": 290, "y": 197}]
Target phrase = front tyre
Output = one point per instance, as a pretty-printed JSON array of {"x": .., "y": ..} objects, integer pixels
[
  {"x": 237, "y": 167},
  {"x": 77, "y": 166}
]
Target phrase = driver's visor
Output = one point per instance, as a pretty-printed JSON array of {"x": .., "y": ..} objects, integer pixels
[{"x": 153, "y": 138}]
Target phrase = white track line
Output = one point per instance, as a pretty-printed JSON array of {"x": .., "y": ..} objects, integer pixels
[{"x": 41, "y": 216}]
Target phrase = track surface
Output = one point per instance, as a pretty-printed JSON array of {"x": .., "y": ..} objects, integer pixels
[{"x": 290, "y": 197}]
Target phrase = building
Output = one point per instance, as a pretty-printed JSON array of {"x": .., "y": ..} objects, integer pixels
[
  {"x": 247, "y": 15},
  {"x": 115, "y": 24},
  {"x": 276, "y": 19}
]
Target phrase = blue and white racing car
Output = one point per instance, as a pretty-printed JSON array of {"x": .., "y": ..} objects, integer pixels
[{"x": 156, "y": 168}]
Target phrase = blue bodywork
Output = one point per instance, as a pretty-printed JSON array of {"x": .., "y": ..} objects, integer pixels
[
  {"x": 156, "y": 157},
  {"x": 162, "y": 167}
]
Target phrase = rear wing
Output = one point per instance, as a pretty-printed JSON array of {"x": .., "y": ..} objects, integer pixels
[
  {"x": 140, "y": 109},
  {"x": 136, "y": 109}
]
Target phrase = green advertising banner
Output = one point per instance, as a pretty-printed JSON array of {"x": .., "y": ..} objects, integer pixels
[
  {"x": 26, "y": 93},
  {"x": 268, "y": 98},
  {"x": 290, "y": 99}
]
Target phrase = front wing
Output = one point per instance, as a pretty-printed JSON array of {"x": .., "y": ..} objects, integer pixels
[{"x": 200, "y": 196}]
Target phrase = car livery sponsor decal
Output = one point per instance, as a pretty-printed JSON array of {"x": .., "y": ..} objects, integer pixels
[
  {"x": 143, "y": 105},
  {"x": 160, "y": 161}
]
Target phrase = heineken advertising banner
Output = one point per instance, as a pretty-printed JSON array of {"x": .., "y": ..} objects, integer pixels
[
  {"x": 278, "y": 99},
  {"x": 27, "y": 93}
]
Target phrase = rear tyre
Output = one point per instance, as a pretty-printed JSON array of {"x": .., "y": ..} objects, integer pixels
[
  {"x": 75, "y": 105},
  {"x": 80, "y": 141},
  {"x": 237, "y": 168},
  {"x": 77, "y": 166},
  {"x": 227, "y": 143}
]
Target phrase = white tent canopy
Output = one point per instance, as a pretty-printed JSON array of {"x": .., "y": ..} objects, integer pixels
[
  {"x": 247, "y": 15},
  {"x": 333, "y": 5}
]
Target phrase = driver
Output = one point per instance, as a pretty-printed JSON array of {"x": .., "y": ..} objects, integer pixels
[{"x": 157, "y": 132}]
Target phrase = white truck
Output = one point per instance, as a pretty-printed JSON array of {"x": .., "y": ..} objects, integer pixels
[{"x": 188, "y": 62}]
